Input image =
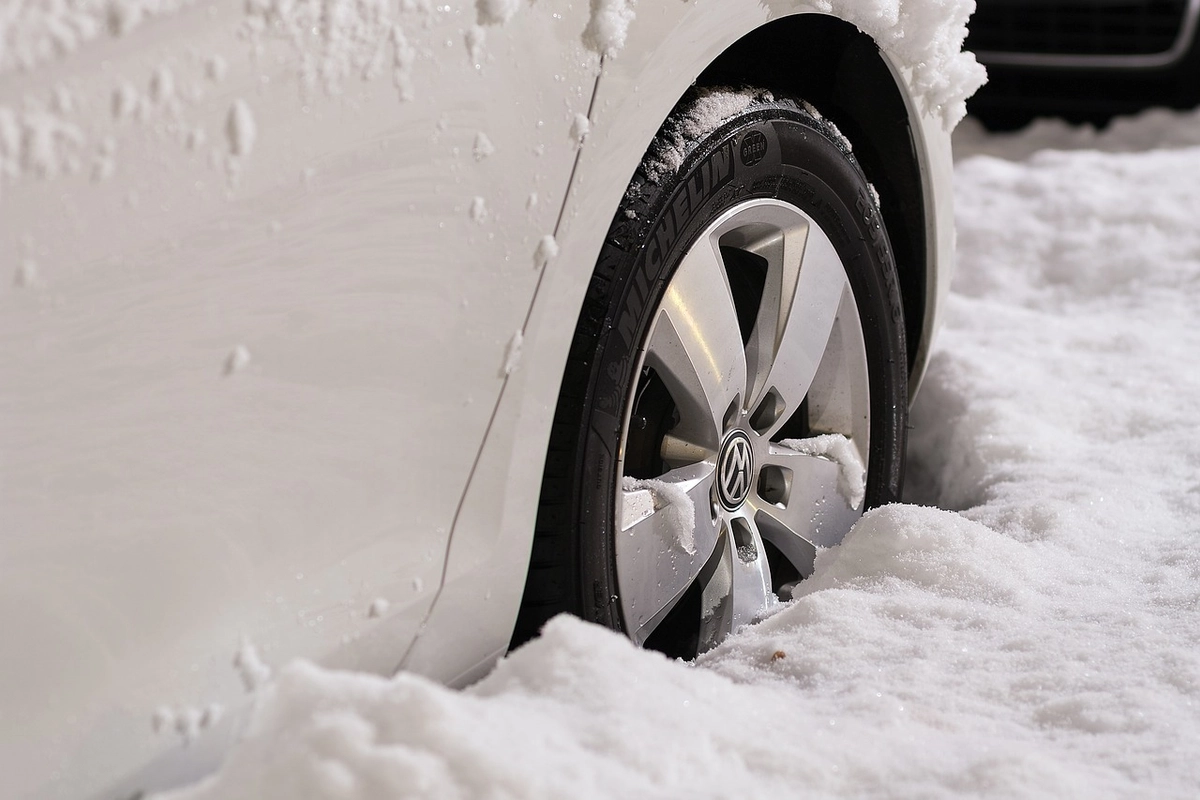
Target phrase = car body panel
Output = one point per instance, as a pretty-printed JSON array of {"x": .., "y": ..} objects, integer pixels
[{"x": 165, "y": 497}]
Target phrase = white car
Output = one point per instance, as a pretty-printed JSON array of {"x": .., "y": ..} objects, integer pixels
[{"x": 376, "y": 333}]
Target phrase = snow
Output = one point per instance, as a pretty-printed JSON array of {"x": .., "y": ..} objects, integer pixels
[
  {"x": 547, "y": 249},
  {"x": 124, "y": 101},
  {"x": 63, "y": 101},
  {"x": 333, "y": 41},
  {"x": 403, "y": 57},
  {"x": 476, "y": 38},
  {"x": 163, "y": 719},
  {"x": 26, "y": 273},
  {"x": 512, "y": 353},
  {"x": 679, "y": 512},
  {"x": 250, "y": 667},
  {"x": 378, "y": 607},
  {"x": 608, "y": 25},
  {"x": 240, "y": 129},
  {"x": 188, "y": 722},
  {"x": 478, "y": 209},
  {"x": 708, "y": 109},
  {"x": 238, "y": 359},
  {"x": 580, "y": 125},
  {"x": 104, "y": 164},
  {"x": 35, "y": 32},
  {"x": 49, "y": 146},
  {"x": 483, "y": 146},
  {"x": 1038, "y": 635},
  {"x": 496, "y": 12},
  {"x": 162, "y": 86},
  {"x": 216, "y": 68},
  {"x": 925, "y": 37},
  {"x": 852, "y": 475}
]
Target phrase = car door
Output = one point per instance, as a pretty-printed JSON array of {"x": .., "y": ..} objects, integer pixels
[{"x": 265, "y": 264}]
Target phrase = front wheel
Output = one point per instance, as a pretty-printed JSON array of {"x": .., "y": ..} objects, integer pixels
[{"x": 736, "y": 392}]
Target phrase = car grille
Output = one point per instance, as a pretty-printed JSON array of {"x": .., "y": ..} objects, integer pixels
[{"x": 1073, "y": 28}]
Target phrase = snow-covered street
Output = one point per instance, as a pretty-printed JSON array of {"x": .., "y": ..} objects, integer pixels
[{"x": 1037, "y": 634}]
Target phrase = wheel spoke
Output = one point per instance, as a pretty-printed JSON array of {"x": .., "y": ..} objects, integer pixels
[
  {"x": 751, "y": 574},
  {"x": 696, "y": 347},
  {"x": 806, "y": 504},
  {"x": 739, "y": 588},
  {"x": 804, "y": 319},
  {"x": 658, "y": 553}
]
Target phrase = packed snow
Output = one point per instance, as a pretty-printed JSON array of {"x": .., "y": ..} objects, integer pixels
[
  {"x": 250, "y": 666},
  {"x": 547, "y": 249},
  {"x": 852, "y": 475},
  {"x": 1038, "y": 635},
  {"x": 483, "y": 146},
  {"x": 34, "y": 32},
  {"x": 608, "y": 26},
  {"x": 925, "y": 37},
  {"x": 679, "y": 512},
  {"x": 512, "y": 353},
  {"x": 580, "y": 125},
  {"x": 237, "y": 360},
  {"x": 240, "y": 128}
]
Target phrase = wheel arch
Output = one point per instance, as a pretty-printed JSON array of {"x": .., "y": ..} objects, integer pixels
[{"x": 840, "y": 70}]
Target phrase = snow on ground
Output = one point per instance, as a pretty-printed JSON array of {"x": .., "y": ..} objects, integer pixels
[{"x": 1041, "y": 638}]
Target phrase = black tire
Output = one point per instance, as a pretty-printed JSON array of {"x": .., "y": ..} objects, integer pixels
[{"x": 773, "y": 148}]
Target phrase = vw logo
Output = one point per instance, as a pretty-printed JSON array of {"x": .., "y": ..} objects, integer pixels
[{"x": 735, "y": 466}]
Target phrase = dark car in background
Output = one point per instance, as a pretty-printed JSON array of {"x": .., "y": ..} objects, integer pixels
[{"x": 1084, "y": 60}]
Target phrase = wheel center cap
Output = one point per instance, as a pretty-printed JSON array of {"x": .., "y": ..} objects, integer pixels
[{"x": 735, "y": 466}]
